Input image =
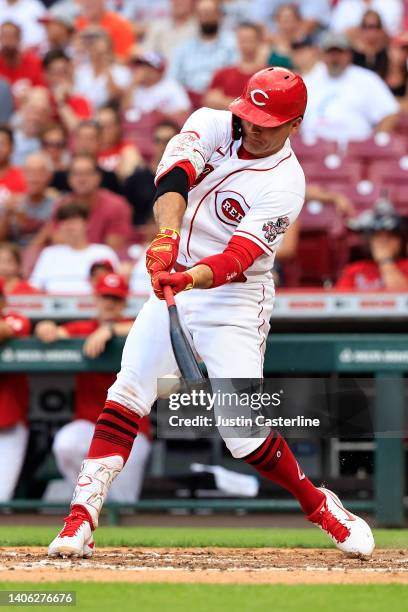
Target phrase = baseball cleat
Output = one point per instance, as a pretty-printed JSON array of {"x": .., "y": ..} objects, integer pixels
[
  {"x": 75, "y": 539},
  {"x": 350, "y": 533}
]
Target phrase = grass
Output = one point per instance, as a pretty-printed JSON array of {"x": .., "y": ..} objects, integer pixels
[
  {"x": 186, "y": 536},
  {"x": 226, "y": 598}
]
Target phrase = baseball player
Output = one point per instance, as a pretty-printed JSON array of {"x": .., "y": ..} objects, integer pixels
[{"x": 228, "y": 187}]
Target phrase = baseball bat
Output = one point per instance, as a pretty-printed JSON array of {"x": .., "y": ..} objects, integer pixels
[{"x": 183, "y": 352}]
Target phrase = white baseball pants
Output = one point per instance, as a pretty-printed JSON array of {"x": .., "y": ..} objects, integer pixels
[{"x": 227, "y": 326}]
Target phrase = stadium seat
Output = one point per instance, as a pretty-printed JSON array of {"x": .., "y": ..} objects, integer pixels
[
  {"x": 315, "y": 150},
  {"x": 388, "y": 173},
  {"x": 322, "y": 248},
  {"x": 379, "y": 147},
  {"x": 363, "y": 193},
  {"x": 333, "y": 170}
]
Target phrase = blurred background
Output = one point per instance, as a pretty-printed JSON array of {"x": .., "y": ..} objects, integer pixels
[{"x": 91, "y": 91}]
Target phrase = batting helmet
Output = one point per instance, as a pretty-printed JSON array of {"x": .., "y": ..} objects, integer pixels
[{"x": 272, "y": 96}]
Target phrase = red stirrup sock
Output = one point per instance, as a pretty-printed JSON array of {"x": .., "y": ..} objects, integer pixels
[
  {"x": 275, "y": 461},
  {"x": 115, "y": 431}
]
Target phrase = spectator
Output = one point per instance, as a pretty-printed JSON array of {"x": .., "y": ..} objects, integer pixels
[
  {"x": 6, "y": 101},
  {"x": 290, "y": 28},
  {"x": 305, "y": 55},
  {"x": 33, "y": 118},
  {"x": 25, "y": 216},
  {"x": 54, "y": 142},
  {"x": 26, "y": 15},
  {"x": 94, "y": 13},
  {"x": 87, "y": 141},
  {"x": 346, "y": 102},
  {"x": 11, "y": 271},
  {"x": 100, "y": 79},
  {"x": 153, "y": 91},
  {"x": 115, "y": 153},
  {"x": 315, "y": 14},
  {"x": 348, "y": 14},
  {"x": 109, "y": 214},
  {"x": 98, "y": 269},
  {"x": 22, "y": 69},
  {"x": 14, "y": 401},
  {"x": 59, "y": 23},
  {"x": 11, "y": 178},
  {"x": 387, "y": 266},
  {"x": 228, "y": 83},
  {"x": 164, "y": 35},
  {"x": 196, "y": 60},
  {"x": 69, "y": 108},
  {"x": 397, "y": 71},
  {"x": 370, "y": 50},
  {"x": 139, "y": 188},
  {"x": 72, "y": 441},
  {"x": 64, "y": 267}
]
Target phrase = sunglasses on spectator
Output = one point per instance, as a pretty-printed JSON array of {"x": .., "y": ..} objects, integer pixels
[
  {"x": 371, "y": 26},
  {"x": 54, "y": 144}
]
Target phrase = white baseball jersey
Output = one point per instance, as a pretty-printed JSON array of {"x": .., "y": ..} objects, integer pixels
[
  {"x": 256, "y": 199},
  {"x": 228, "y": 325}
]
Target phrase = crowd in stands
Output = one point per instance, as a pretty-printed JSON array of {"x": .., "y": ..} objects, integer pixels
[{"x": 91, "y": 92}]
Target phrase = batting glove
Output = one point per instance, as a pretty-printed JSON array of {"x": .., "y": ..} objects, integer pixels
[
  {"x": 162, "y": 253},
  {"x": 178, "y": 281}
]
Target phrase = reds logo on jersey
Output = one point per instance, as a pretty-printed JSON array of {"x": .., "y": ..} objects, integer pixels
[
  {"x": 271, "y": 229},
  {"x": 230, "y": 207}
]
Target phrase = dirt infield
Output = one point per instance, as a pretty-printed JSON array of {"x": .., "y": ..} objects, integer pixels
[{"x": 207, "y": 565}]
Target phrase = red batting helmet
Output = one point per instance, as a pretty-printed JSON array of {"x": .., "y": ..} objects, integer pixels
[{"x": 272, "y": 96}]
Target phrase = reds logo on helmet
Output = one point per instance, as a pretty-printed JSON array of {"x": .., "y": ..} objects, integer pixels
[
  {"x": 258, "y": 97},
  {"x": 230, "y": 207},
  {"x": 271, "y": 229}
]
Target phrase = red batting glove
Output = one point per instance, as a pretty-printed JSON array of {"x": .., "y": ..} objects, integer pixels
[
  {"x": 178, "y": 281},
  {"x": 162, "y": 253}
]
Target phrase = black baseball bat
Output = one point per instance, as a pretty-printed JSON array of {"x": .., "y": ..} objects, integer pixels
[{"x": 183, "y": 352}]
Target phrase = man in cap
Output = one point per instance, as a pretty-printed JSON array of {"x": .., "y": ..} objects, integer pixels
[
  {"x": 228, "y": 188},
  {"x": 346, "y": 102},
  {"x": 72, "y": 441},
  {"x": 387, "y": 264}
]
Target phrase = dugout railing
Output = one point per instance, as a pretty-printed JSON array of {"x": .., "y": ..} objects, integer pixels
[{"x": 383, "y": 356}]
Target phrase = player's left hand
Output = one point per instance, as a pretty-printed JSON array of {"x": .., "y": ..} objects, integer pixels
[
  {"x": 178, "y": 281},
  {"x": 95, "y": 344}
]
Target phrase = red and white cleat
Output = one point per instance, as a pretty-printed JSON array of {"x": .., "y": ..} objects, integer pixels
[
  {"x": 75, "y": 539},
  {"x": 350, "y": 533}
]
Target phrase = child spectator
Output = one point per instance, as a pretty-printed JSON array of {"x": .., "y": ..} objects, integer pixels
[
  {"x": 72, "y": 441},
  {"x": 64, "y": 267}
]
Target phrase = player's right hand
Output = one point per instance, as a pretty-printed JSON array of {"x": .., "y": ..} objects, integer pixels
[{"x": 162, "y": 253}]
